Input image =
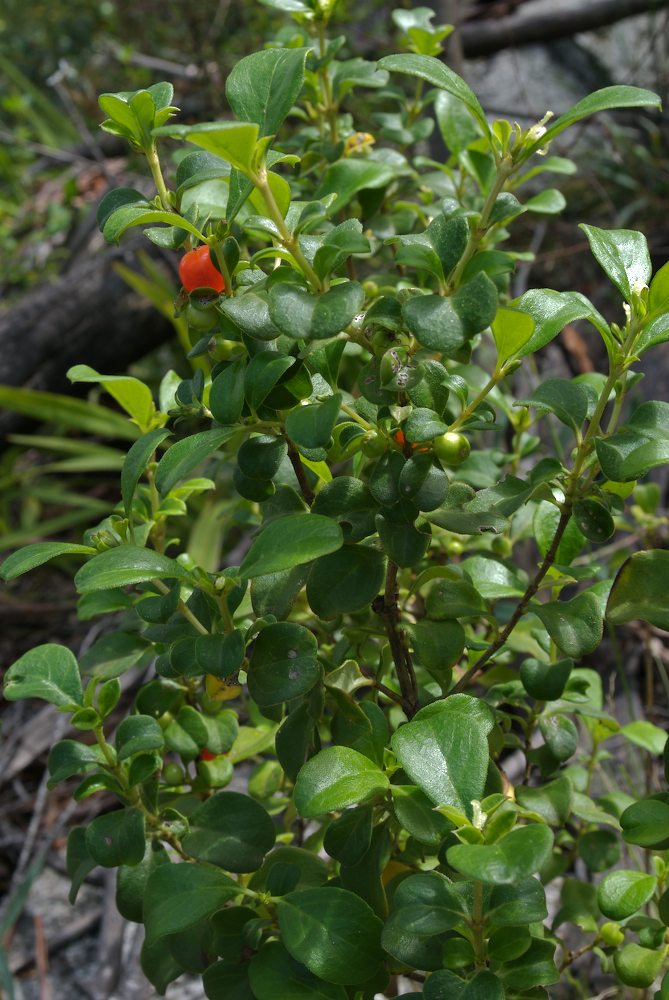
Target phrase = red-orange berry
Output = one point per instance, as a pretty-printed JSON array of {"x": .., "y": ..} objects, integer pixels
[{"x": 196, "y": 270}]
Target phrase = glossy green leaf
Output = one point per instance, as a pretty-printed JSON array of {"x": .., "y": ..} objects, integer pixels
[
  {"x": 445, "y": 985},
  {"x": 638, "y": 966},
  {"x": 348, "y": 836},
  {"x": 552, "y": 801},
  {"x": 607, "y": 99},
  {"x": 416, "y": 813},
  {"x": 347, "y": 177},
  {"x": 594, "y": 520},
  {"x": 131, "y": 394},
  {"x": 641, "y": 445},
  {"x": 336, "y": 778},
  {"x": 283, "y": 664},
  {"x": 444, "y": 749},
  {"x": 622, "y": 893},
  {"x": 136, "y": 461},
  {"x": 311, "y": 426},
  {"x": 263, "y": 86},
  {"x": 623, "y": 256},
  {"x": 576, "y": 626},
  {"x": 345, "y": 581},
  {"x": 234, "y": 142},
  {"x": 125, "y": 565},
  {"x": 180, "y": 895},
  {"x": 131, "y": 882},
  {"x": 273, "y": 965},
  {"x": 552, "y": 311},
  {"x": 221, "y": 655},
  {"x": 333, "y": 932},
  {"x": 117, "y": 838},
  {"x": 641, "y": 590},
  {"x": 436, "y": 73},
  {"x": 79, "y": 861},
  {"x": 646, "y": 822},
  {"x": 232, "y": 831},
  {"x": 69, "y": 757},
  {"x": 31, "y": 556},
  {"x": 303, "y": 316},
  {"x": 511, "y": 330},
  {"x": 138, "y": 734},
  {"x": 646, "y": 735},
  {"x": 184, "y": 456},
  {"x": 545, "y": 681},
  {"x": 567, "y": 400},
  {"x": 518, "y": 903},
  {"x": 517, "y": 855},
  {"x": 290, "y": 540},
  {"x": 445, "y": 324},
  {"x": 49, "y": 672}
]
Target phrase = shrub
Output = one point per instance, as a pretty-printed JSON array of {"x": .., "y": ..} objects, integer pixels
[{"x": 357, "y": 641}]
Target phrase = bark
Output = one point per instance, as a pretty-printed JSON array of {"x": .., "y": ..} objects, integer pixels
[
  {"x": 485, "y": 37},
  {"x": 88, "y": 316}
]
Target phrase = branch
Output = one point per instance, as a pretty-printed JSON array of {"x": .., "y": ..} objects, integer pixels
[
  {"x": 482, "y": 38},
  {"x": 386, "y": 607},
  {"x": 298, "y": 468}
]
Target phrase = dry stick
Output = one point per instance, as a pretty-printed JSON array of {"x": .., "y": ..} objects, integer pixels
[
  {"x": 549, "y": 558},
  {"x": 298, "y": 468},
  {"x": 386, "y": 606}
]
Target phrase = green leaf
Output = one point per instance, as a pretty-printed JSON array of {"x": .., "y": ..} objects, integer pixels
[
  {"x": 448, "y": 237},
  {"x": 437, "y": 645},
  {"x": 623, "y": 256},
  {"x": 333, "y": 932},
  {"x": 593, "y": 520},
  {"x": 445, "y": 324},
  {"x": 234, "y": 142},
  {"x": 138, "y": 734},
  {"x": 232, "y": 831},
  {"x": 114, "y": 653},
  {"x": 535, "y": 967},
  {"x": 444, "y": 749},
  {"x": 283, "y": 664},
  {"x": 141, "y": 215},
  {"x": 511, "y": 330},
  {"x": 311, "y": 426},
  {"x": 263, "y": 87},
  {"x": 517, "y": 855},
  {"x": 79, "y": 860},
  {"x": 226, "y": 397},
  {"x": 641, "y": 590},
  {"x": 575, "y": 626},
  {"x": 290, "y": 540},
  {"x": 416, "y": 813},
  {"x": 303, "y": 316},
  {"x": 345, "y": 581},
  {"x": 641, "y": 445},
  {"x": 250, "y": 312},
  {"x": 273, "y": 965},
  {"x": 435, "y": 72},
  {"x": 545, "y": 681},
  {"x": 182, "y": 457},
  {"x": 49, "y": 672},
  {"x": 517, "y": 904},
  {"x": 348, "y": 837},
  {"x": 131, "y": 394},
  {"x": 131, "y": 882},
  {"x": 645, "y": 735},
  {"x": 455, "y": 123},
  {"x": 405, "y": 544},
  {"x": 117, "y": 838},
  {"x": 136, "y": 461},
  {"x": 550, "y": 201},
  {"x": 178, "y": 896},
  {"x": 69, "y": 757},
  {"x": 424, "y": 904},
  {"x": 601, "y": 100},
  {"x": 551, "y": 801},
  {"x": 552, "y": 311},
  {"x": 336, "y": 778},
  {"x": 126, "y": 565},
  {"x": 31, "y": 556},
  {"x": 638, "y": 966},
  {"x": 347, "y": 177},
  {"x": 621, "y": 893},
  {"x": 566, "y": 399},
  {"x": 646, "y": 823},
  {"x": 445, "y": 985}
]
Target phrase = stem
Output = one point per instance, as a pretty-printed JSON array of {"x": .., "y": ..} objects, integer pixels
[
  {"x": 183, "y": 608},
  {"x": 223, "y": 267},
  {"x": 350, "y": 412},
  {"x": 504, "y": 171},
  {"x": 386, "y": 606},
  {"x": 289, "y": 241},
  {"x": 157, "y": 174},
  {"x": 477, "y": 925},
  {"x": 298, "y": 469},
  {"x": 494, "y": 647},
  {"x": 496, "y": 377},
  {"x": 329, "y": 106}
]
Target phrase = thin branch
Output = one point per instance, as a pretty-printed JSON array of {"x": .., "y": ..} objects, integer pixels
[
  {"x": 298, "y": 468},
  {"x": 387, "y": 608}
]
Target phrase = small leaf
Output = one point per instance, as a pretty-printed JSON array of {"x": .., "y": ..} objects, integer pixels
[
  {"x": 131, "y": 394},
  {"x": 303, "y": 316},
  {"x": 647, "y": 822},
  {"x": 552, "y": 311},
  {"x": 567, "y": 400},
  {"x": 347, "y": 177},
  {"x": 641, "y": 590},
  {"x": 511, "y": 330},
  {"x": 336, "y": 778},
  {"x": 136, "y": 461},
  {"x": 49, "y": 672},
  {"x": 126, "y": 565},
  {"x": 233, "y": 142},
  {"x": 517, "y": 855},
  {"x": 345, "y": 581},
  {"x": 311, "y": 426},
  {"x": 639, "y": 446},
  {"x": 333, "y": 932},
  {"x": 183, "y": 456},
  {"x": 31, "y": 556},
  {"x": 263, "y": 86},
  {"x": 117, "y": 838},
  {"x": 138, "y": 734},
  {"x": 622, "y": 893},
  {"x": 623, "y": 256},
  {"x": 576, "y": 626},
  {"x": 230, "y": 830},
  {"x": 272, "y": 965},
  {"x": 290, "y": 540},
  {"x": 283, "y": 664},
  {"x": 178, "y": 896}
]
